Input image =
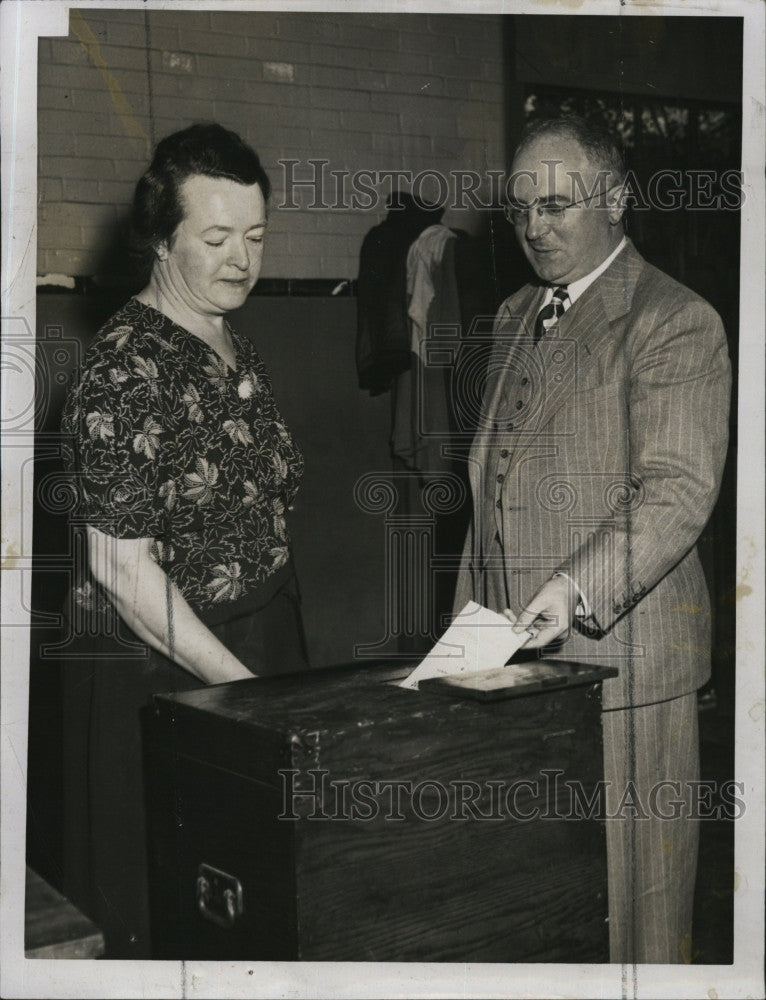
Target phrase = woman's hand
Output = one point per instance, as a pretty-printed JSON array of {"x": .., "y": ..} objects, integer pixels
[{"x": 156, "y": 610}]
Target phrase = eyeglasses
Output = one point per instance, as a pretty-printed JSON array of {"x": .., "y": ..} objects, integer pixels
[{"x": 551, "y": 211}]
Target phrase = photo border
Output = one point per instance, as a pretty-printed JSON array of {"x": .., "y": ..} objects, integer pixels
[{"x": 22, "y": 22}]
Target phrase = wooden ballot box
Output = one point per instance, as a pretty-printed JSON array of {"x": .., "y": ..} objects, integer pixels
[{"x": 334, "y": 815}]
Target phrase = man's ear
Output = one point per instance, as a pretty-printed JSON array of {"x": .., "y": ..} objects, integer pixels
[
  {"x": 617, "y": 202},
  {"x": 161, "y": 251}
]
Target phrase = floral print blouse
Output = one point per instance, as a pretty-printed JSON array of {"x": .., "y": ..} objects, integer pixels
[{"x": 164, "y": 440}]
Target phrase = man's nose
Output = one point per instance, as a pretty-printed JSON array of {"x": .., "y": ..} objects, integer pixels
[{"x": 537, "y": 223}]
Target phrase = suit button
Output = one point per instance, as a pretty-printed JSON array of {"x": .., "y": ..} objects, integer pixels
[
  {"x": 519, "y": 404},
  {"x": 504, "y": 453},
  {"x": 500, "y": 477},
  {"x": 499, "y": 505}
]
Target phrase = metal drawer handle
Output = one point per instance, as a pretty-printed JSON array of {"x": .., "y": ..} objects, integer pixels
[{"x": 219, "y": 896}]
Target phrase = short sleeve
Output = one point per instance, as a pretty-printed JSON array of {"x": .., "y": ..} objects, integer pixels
[{"x": 116, "y": 428}]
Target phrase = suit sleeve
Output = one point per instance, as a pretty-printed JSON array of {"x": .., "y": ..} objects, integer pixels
[
  {"x": 464, "y": 591},
  {"x": 677, "y": 423}
]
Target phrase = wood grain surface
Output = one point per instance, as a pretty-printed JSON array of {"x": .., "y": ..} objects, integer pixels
[{"x": 397, "y": 885}]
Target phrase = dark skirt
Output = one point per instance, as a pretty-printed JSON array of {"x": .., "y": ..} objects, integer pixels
[{"x": 105, "y": 688}]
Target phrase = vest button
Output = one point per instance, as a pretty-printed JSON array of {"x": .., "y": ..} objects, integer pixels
[
  {"x": 499, "y": 505},
  {"x": 504, "y": 453},
  {"x": 510, "y": 427},
  {"x": 500, "y": 477},
  {"x": 519, "y": 404},
  {"x": 525, "y": 381}
]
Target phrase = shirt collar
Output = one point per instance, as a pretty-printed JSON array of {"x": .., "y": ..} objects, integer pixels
[{"x": 576, "y": 289}]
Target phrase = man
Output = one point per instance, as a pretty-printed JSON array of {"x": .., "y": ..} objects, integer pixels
[{"x": 596, "y": 465}]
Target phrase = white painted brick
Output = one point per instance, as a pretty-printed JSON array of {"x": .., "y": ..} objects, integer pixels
[
  {"x": 279, "y": 94},
  {"x": 70, "y": 77},
  {"x": 452, "y": 151},
  {"x": 339, "y": 77},
  {"x": 174, "y": 20},
  {"x": 400, "y": 147},
  {"x": 80, "y": 190},
  {"x": 75, "y": 261},
  {"x": 263, "y": 24},
  {"x": 63, "y": 51},
  {"x": 101, "y": 100},
  {"x": 124, "y": 57},
  {"x": 79, "y": 168},
  {"x": 424, "y": 124},
  {"x": 332, "y": 141},
  {"x": 278, "y": 49},
  {"x": 184, "y": 109},
  {"x": 492, "y": 70},
  {"x": 50, "y": 123},
  {"x": 50, "y": 188},
  {"x": 116, "y": 147},
  {"x": 389, "y": 62},
  {"x": 358, "y": 35},
  {"x": 131, "y": 170},
  {"x": 65, "y": 145},
  {"x": 474, "y": 127},
  {"x": 454, "y": 67},
  {"x": 475, "y": 46},
  {"x": 164, "y": 39},
  {"x": 418, "y": 103},
  {"x": 309, "y": 27},
  {"x": 54, "y": 99},
  {"x": 212, "y": 43},
  {"x": 370, "y": 79},
  {"x": 125, "y": 34},
  {"x": 342, "y": 100},
  {"x": 449, "y": 25},
  {"x": 415, "y": 83},
  {"x": 118, "y": 193},
  {"x": 358, "y": 107},
  {"x": 94, "y": 24},
  {"x": 420, "y": 42},
  {"x": 168, "y": 85},
  {"x": 366, "y": 121}
]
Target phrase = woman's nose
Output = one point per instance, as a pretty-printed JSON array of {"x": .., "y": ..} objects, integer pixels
[{"x": 239, "y": 255}]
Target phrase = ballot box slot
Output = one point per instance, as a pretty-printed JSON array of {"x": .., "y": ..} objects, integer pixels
[{"x": 517, "y": 680}]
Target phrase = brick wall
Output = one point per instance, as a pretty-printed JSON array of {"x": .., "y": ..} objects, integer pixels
[{"x": 363, "y": 91}]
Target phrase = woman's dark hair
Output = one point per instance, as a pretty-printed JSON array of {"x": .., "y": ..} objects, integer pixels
[{"x": 207, "y": 149}]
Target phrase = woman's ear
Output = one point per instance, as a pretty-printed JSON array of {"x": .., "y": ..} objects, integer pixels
[{"x": 161, "y": 251}]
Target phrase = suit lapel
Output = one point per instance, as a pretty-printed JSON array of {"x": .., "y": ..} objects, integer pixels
[
  {"x": 512, "y": 336},
  {"x": 568, "y": 357}
]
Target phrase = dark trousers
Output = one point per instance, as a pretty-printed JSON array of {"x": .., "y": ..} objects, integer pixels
[{"x": 105, "y": 854}]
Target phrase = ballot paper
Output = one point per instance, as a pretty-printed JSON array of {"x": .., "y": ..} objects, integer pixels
[{"x": 477, "y": 639}]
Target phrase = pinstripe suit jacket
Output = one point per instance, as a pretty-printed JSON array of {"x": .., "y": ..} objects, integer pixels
[{"x": 600, "y": 453}]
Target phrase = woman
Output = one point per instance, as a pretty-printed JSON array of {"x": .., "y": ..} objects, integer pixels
[{"x": 184, "y": 470}]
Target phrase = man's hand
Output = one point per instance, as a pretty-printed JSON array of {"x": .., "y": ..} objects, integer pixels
[{"x": 549, "y": 614}]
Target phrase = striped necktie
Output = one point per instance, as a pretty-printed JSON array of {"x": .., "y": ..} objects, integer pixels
[{"x": 553, "y": 311}]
